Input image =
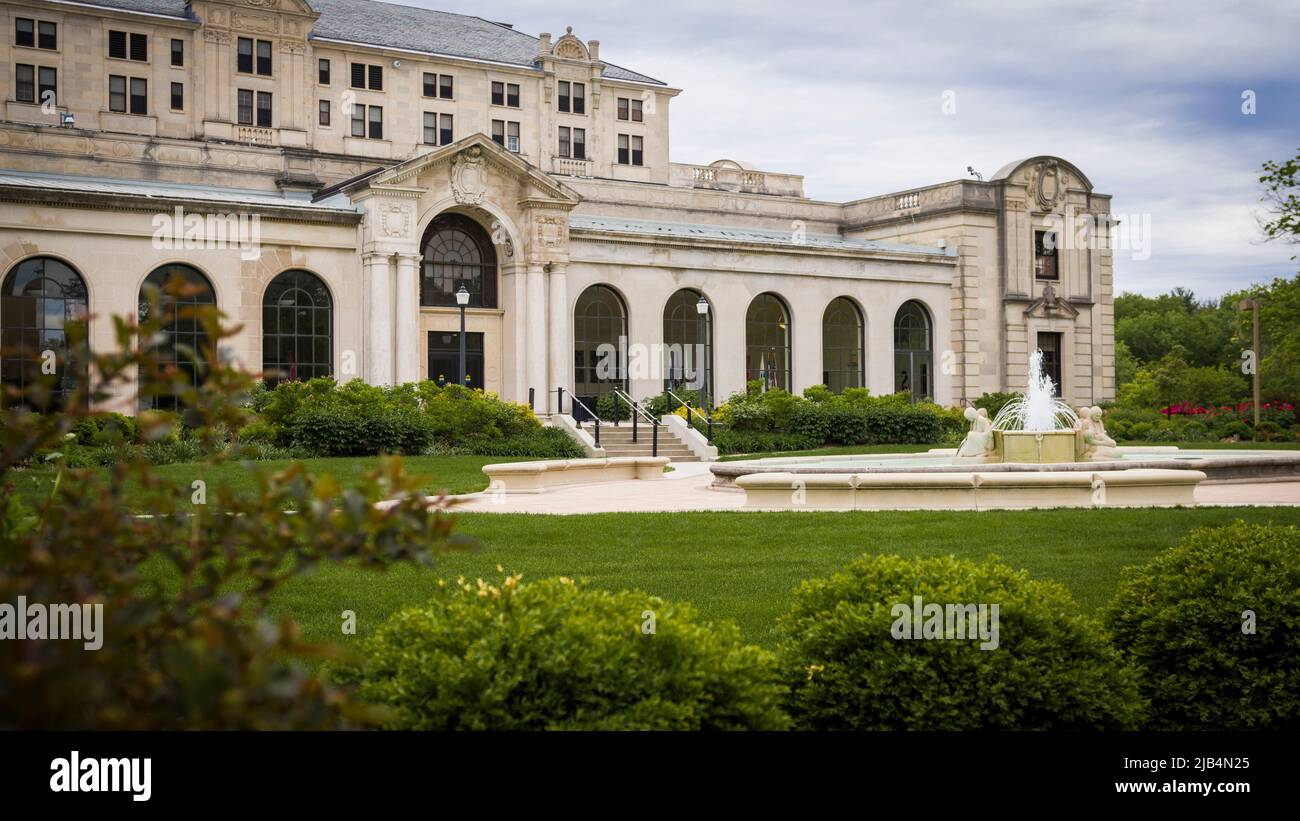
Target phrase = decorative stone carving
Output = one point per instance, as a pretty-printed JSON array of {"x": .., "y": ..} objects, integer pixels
[
  {"x": 1046, "y": 184},
  {"x": 254, "y": 22},
  {"x": 978, "y": 446},
  {"x": 395, "y": 220},
  {"x": 214, "y": 36},
  {"x": 469, "y": 176},
  {"x": 1097, "y": 445},
  {"x": 570, "y": 47},
  {"x": 549, "y": 232},
  {"x": 266, "y": 4}
]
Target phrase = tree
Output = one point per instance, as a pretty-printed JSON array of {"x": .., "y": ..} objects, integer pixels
[{"x": 1282, "y": 200}]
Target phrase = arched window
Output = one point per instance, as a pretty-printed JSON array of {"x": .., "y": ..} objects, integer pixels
[
  {"x": 767, "y": 342},
  {"x": 599, "y": 339},
  {"x": 297, "y": 328},
  {"x": 913, "y": 351},
  {"x": 688, "y": 341},
  {"x": 38, "y": 299},
  {"x": 843, "y": 345},
  {"x": 457, "y": 251},
  {"x": 184, "y": 339}
]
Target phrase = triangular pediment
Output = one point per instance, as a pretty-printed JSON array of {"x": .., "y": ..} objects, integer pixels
[
  {"x": 469, "y": 161},
  {"x": 1050, "y": 306}
]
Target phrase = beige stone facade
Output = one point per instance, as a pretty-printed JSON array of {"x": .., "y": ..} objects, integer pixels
[{"x": 229, "y": 110}]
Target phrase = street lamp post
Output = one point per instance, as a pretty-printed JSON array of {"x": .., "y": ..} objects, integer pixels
[
  {"x": 1252, "y": 305},
  {"x": 462, "y": 299},
  {"x": 702, "y": 308}
]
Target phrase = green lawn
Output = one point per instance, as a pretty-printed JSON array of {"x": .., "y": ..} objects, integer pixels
[
  {"x": 742, "y": 566},
  {"x": 454, "y": 474}
]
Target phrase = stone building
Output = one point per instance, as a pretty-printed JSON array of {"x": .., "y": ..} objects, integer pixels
[{"x": 332, "y": 172}]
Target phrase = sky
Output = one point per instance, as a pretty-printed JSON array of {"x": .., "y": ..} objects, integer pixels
[{"x": 1152, "y": 100}]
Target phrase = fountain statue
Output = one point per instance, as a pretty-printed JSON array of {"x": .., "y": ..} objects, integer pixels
[
  {"x": 1034, "y": 427},
  {"x": 1096, "y": 444}
]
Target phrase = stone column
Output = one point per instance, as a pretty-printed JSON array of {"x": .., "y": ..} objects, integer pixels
[
  {"x": 379, "y": 325},
  {"x": 515, "y": 334},
  {"x": 535, "y": 313},
  {"x": 561, "y": 335},
  {"x": 408, "y": 317}
]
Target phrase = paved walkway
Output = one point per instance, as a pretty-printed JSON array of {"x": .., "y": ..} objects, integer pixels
[{"x": 687, "y": 488}]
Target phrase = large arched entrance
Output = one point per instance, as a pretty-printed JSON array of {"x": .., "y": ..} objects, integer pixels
[
  {"x": 38, "y": 299},
  {"x": 599, "y": 341}
]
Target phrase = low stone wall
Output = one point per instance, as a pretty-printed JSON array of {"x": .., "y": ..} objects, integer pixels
[
  {"x": 970, "y": 490},
  {"x": 536, "y": 477}
]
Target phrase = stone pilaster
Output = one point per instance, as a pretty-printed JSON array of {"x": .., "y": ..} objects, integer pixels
[
  {"x": 407, "y": 322},
  {"x": 379, "y": 319}
]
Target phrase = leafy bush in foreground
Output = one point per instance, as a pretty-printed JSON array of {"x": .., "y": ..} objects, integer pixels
[
  {"x": 1183, "y": 621},
  {"x": 1051, "y": 670},
  {"x": 554, "y": 654}
]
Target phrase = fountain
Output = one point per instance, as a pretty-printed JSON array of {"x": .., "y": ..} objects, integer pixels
[{"x": 1034, "y": 427}]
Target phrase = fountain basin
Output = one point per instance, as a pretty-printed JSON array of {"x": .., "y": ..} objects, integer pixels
[{"x": 1036, "y": 447}]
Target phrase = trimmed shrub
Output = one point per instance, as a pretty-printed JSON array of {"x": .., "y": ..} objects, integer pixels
[
  {"x": 994, "y": 402},
  {"x": 543, "y": 443},
  {"x": 1052, "y": 668},
  {"x": 554, "y": 654},
  {"x": 338, "y": 429},
  {"x": 1183, "y": 622},
  {"x": 1241, "y": 430},
  {"x": 738, "y": 441},
  {"x": 605, "y": 408}
]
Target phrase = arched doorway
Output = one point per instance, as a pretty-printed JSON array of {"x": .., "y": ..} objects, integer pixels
[
  {"x": 843, "y": 345},
  {"x": 767, "y": 342},
  {"x": 688, "y": 341},
  {"x": 184, "y": 339},
  {"x": 913, "y": 351},
  {"x": 297, "y": 328},
  {"x": 38, "y": 298},
  {"x": 599, "y": 343}
]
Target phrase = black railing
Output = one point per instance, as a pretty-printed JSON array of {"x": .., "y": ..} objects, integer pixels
[
  {"x": 708, "y": 419},
  {"x": 573, "y": 400},
  {"x": 639, "y": 412}
]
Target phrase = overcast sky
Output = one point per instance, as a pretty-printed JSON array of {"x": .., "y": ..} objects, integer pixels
[{"x": 1144, "y": 97}]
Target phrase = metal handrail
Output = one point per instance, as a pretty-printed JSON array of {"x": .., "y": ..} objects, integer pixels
[
  {"x": 559, "y": 407},
  {"x": 708, "y": 419},
  {"x": 638, "y": 411}
]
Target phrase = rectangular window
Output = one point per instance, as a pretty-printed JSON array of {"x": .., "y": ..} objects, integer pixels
[
  {"x": 324, "y": 112},
  {"x": 624, "y": 105},
  {"x": 579, "y": 98},
  {"x": 512, "y": 95},
  {"x": 376, "y": 122},
  {"x": 376, "y": 78},
  {"x": 26, "y": 90},
  {"x": 24, "y": 31},
  {"x": 430, "y": 84},
  {"x": 636, "y": 111},
  {"x": 358, "y": 120},
  {"x": 445, "y": 130},
  {"x": 244, "y": 56},
  {"x": 580, "y": 143},
  {"x": 140, "y": 47},
  {"x": 499, "y": 132},
  {"x": 48, "y": 36},
  {"x": 323, "y": 72},
  {"x": 638, "y": 152},
  {"x": 512, "y": 137},
  {"x": 178, "y": 96},
  {"x": 1045, "y": 255},
  {"x": 264, "y": 58},
  {"x": 564, "y": 142},
  {"x": 117, "y": 93},
  {"x": 622, "y": 149},
  {"x": 263, "y": 109},
  {"x": 358, "y": 75},
  {"x": 365, "y": 76},
  {"x": 430, "y": 128},
  {"x": 564, "y": 95},
  {"x": 139, "y": 96},
  {"x": 1050, "y": 345},
  {"x": 498, "y": 94},
  {"x": 47, "y": 85},
  {"x": 245, "y": 112},
  {"x": 445, "y": 86},
  {"x": 178, "y": 53},
  {"x": 117, "y": 44}
]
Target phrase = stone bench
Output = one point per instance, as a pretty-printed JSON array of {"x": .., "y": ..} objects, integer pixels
[
  {"x": 1009, "y": 490},
  {"x": 536, "y": 477}
]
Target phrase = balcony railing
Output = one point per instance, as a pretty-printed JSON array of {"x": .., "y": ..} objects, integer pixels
[
  {"x": 255, "y": 136},
  {"x": 572, "y": 167}
]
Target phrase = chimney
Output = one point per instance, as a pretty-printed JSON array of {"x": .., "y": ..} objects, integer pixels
[
  {"x": 593, "y": 46},
  {"x": 544, "y": 43}
]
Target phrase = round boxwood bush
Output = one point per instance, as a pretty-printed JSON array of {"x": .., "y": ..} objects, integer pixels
[
  {"x": 1051, "y": 668},
  {"x": 1205, "y": 661},
  {"x": 555, "y": 654}
]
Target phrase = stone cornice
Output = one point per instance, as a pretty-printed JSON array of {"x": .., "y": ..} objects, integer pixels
[
  {"x": 596, "y": 235},
  {"x": 129, "y": 202}
]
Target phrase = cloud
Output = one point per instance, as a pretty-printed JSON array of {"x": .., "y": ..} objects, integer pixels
[{"x": 1145, "y": 97}]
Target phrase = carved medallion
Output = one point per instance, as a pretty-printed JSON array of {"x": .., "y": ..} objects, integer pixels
[
  {"x": 469, "y": 176},
  {"x": 395, "y": 220},
  {"x": 1046, "y": 184}
]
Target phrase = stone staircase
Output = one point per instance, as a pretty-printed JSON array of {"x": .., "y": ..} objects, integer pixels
[{"x": 617, "y": 441}]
